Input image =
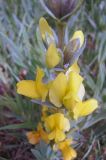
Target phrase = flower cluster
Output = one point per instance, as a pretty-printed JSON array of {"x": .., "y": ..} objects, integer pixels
[{"x": 61, "y": 95}]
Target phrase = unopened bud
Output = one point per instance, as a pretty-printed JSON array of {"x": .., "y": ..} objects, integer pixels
[
  {"x": 62, "y": 8},
  {"x": 74, "y": 47}
]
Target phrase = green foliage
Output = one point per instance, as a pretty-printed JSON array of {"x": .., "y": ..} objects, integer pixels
[
  {"x": 43, "y": 151},
  {"x": 19, "y": 40},
  {"x": 22, "y": 109},
  {"x": 21, "y": 47}
]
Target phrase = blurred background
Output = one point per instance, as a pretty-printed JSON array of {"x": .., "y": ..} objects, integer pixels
[{"x": 21, "y": 52}]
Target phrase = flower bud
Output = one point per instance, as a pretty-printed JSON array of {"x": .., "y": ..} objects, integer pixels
[
  {"x": 74, "y": 47},
  {"x": 61, "y": 8}
]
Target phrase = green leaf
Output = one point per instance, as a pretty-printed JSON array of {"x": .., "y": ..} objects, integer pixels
[
  {"x": 43, "y": 148},
  {"x": 90, "y": 82},
  {"x": 27, "y": 125},
  {"x": 40, "y": 151},
  {"x": 15, "y": 51},
  {"x": 95, "y": 119},
  {"x": 37, "y": 154},
  {"x": 100, "y": 79}
]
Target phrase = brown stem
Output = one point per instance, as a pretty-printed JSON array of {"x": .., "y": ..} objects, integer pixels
[{"x": 61, "y": 32}]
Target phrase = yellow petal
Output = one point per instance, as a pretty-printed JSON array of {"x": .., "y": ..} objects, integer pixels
[
  {"x": 42, "y": 133},
  {"x": 66, "y": 124},
  {"x": 33, "y": 89},
  {"x": 57, "y": 124},
  {"x": 45, "y": 28},
  {"x": 84, "y": 108},
  {"x": 80, "y": 36},
  {"x": 69, "y": 153},
  {"x": 42, "y": 88},
  {"x": 50, "y": 122},
  {"x": 57, "y": 135},
  {"x": 52, "y": 135},
  {"x": 60, "y": 136},
  {"x": 61, "y": 122},
  {"x": 39, "y": 74},
  {"x": 52, "y": 56},
  {"x": 58, "y": 89},
  {"x": 27, "y": 88},
  {"x": 81, "y": 92},
  {"x": 74, "y": 68},
  {"x": 65, "y": 143},
  {"x": 33, "y": 137},
  {"x": 70, "y": 100},
  {"x": 74, "y": 83},
  {"x": 55, "y": 121}
]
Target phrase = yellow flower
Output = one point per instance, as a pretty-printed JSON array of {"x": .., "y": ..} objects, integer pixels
[
  {"x": 52, "y": 56},
  {"x": 33, "y": 89},
  {"x": 56, "y": 124},
  {"x": 45, "y": 30},
  {"x": 64, "y": 90},
  {"x": 84, "y": 108},
  {"x": 67, "y": 151},
  {"x": 68, "y": 90},
  {"x": 35, "y": 136}
]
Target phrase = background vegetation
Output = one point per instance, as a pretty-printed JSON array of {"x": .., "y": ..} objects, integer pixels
[{"x": 21, "y": 52}]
